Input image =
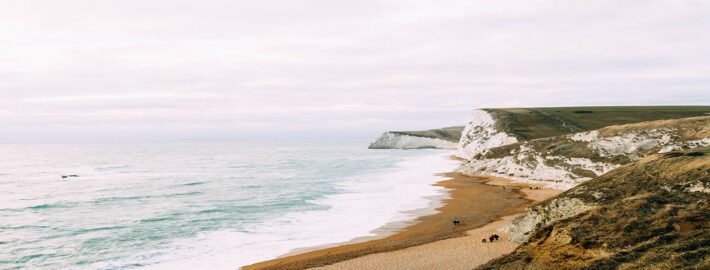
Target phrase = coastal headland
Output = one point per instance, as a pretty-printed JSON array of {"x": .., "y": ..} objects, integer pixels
[{"x": 526, "y": 169}]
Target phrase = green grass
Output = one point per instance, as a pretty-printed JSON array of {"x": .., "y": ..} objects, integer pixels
[{"x": 533, "y": 123}]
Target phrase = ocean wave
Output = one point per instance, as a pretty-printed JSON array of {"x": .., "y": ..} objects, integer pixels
[
  {"x": 168, "y": 213},
  {"x": 22, "y": 227},
  {"x": 384, "y": 196},
  {"x": 194, "y": 183},
  {"x": 97, "y": 229},
  {"x": 150, "y": 220},
  {"x": 51, "y": 205}
]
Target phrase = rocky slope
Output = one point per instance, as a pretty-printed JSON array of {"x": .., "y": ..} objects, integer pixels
[
  {"x": 567, "y": 160},
  {"x": 444, "y": 138},
  {"x": 648, "y": 214}
]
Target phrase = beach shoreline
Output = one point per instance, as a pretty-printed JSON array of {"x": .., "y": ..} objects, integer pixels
[{"x": 476, "y": 201}]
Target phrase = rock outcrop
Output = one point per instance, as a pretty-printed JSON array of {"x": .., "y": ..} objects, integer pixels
[{"x": 544, "y": 214}]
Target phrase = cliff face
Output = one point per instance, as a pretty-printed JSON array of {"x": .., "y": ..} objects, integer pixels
[
  {"x": 567, "y": 160},
  {"x": 391, "y": 140},
  {"x": 490, "y": 128},
  {"x": 443, "y": 138},
  {"x": 648, "y": 214},
  {"x": 481, "y": 134}
]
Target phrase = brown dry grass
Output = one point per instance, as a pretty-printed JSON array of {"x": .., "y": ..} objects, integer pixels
[{"x": 645, "y": 219}]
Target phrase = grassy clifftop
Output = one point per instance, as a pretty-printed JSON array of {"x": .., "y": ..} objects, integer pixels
[
  {"x": 452, "y": 134},
  {"x": 532, "y": 123},
  {"x": 650, "y": 214}
]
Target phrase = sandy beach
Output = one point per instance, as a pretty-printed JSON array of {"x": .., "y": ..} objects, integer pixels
[
  {"x": 483, "y": 205},
  {"x": 463, "y": 253}
]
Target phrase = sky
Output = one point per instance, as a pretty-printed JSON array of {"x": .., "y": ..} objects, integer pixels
[{"x": 278, "y": 70}]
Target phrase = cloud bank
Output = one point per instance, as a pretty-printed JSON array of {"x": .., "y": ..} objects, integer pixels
[{"x": 133, "y": 70}]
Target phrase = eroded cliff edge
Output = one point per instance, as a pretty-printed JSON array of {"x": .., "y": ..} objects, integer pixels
[{"x": 443, "y": 138}]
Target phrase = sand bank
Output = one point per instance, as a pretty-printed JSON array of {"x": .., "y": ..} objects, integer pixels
[{"x": 474, "y": 200}]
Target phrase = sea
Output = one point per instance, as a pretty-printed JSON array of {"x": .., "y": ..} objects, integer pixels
[{"x": 202, "y": 205}]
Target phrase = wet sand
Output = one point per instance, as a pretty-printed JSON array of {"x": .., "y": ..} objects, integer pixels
[{"x": 474, "y": 200}]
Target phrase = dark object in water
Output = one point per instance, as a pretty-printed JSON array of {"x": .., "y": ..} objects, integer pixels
[
  {"x": 70, "y": 175},
  {"x": 456, "y": 222},
  {"x": 583, "y": 112}
]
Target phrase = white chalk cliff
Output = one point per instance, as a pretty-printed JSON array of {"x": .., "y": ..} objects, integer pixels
[
  {"x": 568, "y": 160},
  {"x": 393, "y": 140},
  {"x": 480, "y": 135}
]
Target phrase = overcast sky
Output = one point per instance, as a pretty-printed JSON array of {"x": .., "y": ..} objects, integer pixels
[{"x": 154, "y": 70}]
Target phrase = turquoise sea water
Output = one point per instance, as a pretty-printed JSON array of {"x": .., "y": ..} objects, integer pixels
[{"x": 215, "y": 205}]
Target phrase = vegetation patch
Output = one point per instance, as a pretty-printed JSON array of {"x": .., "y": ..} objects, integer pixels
[{"x": 533, "y": 123}]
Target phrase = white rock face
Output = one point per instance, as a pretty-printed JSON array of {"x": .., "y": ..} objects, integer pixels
[
  {"x": 527, "y": 165},
  {"x": 699, "y": 143},
  {"x": 481, "y": 134},
  {"x": 629, "y": 143},
  {"x": 390, "y": 140},
  {"x": 705, "y": 142},
  {"x": 699, "y": 187},
  {"x": 540, "y": 216},
  {"x": 585, "y": 136}
]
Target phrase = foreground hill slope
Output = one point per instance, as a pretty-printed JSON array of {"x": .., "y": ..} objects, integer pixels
[
  {"x": 442, "y": 138},
  {"x": 649, "y": 214}
]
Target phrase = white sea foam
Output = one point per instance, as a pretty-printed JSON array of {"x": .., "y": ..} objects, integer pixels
[{"x": 365, "y": 204}]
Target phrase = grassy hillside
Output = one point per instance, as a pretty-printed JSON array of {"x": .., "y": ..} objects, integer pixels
[
  {"x": 650, "y": 214},
  {"x": 452, "y": 134},
  {"x": 532, "y": 123},
  {"x": 685, "y": 129}
]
